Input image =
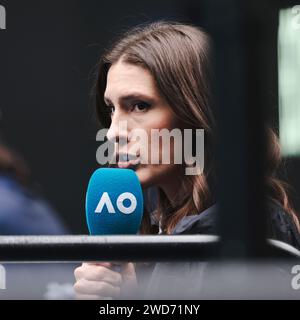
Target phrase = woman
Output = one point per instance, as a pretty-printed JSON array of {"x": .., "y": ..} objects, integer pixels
[{"x": 157, "y": 76}]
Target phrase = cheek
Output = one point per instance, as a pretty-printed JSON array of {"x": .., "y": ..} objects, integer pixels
[
  {"x": 160, "y": 120},
  {"x": 161, "y": 117},
  {"x": 155, "y": 174},
  {"x": 163, "y": 121}
]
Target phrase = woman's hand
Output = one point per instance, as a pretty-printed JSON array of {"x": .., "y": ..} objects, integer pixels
[{"x": 97, "y": 281}]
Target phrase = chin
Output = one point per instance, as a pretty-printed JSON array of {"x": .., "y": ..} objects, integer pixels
[
  {"x": 145, "y": 176},
  {"x": 155, "y": 175}
]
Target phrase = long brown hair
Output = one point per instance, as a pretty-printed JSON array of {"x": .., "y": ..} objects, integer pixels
[
  {"x": 277, "y": 189},
  {"x": 177, "y": 55}
]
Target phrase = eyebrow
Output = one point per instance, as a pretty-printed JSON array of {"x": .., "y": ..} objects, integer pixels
[{"x": 130, "y": 97}]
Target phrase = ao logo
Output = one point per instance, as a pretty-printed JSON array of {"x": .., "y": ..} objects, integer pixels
[{"x": 106, "y": 201}]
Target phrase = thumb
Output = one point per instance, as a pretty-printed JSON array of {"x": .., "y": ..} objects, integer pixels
[
  {"x": 128, "y": 272},
  {"x": 129, "y": 286}
]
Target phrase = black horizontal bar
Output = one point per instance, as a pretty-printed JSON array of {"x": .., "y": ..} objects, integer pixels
[
  {"x": 107, "y": 248},
  {"x": 120, "y": 248}
]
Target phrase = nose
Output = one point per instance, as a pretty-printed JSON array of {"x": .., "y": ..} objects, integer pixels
[{"x": 118, "y": 130}]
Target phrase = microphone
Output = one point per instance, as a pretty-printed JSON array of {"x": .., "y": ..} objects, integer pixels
[{"x": 114, "y": 202}]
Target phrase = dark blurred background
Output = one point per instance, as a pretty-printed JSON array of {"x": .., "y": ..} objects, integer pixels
[{"x": 47, "y": 59}]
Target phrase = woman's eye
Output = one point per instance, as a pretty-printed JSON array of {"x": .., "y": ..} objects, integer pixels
[{"x": 141, "y": 107}]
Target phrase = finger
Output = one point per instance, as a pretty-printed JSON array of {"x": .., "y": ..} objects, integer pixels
[
  {"x": 97, "y": 263},
  {"x": 129, "y": 284},
  {"x": 98, "y": 273},
  {"x": 128, "y": 271},
  {"x": 91, "y": 297},
  {"x": 100, "y": 288}
]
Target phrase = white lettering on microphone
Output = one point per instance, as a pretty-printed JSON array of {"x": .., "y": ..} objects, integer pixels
[{"x": 106, "y": 201}]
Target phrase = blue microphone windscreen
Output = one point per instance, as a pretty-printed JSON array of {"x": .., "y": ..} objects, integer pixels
[{"x": 114, "y": 202}]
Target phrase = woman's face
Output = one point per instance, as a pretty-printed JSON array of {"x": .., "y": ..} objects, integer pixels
[{"x": 132, "y": 96}]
